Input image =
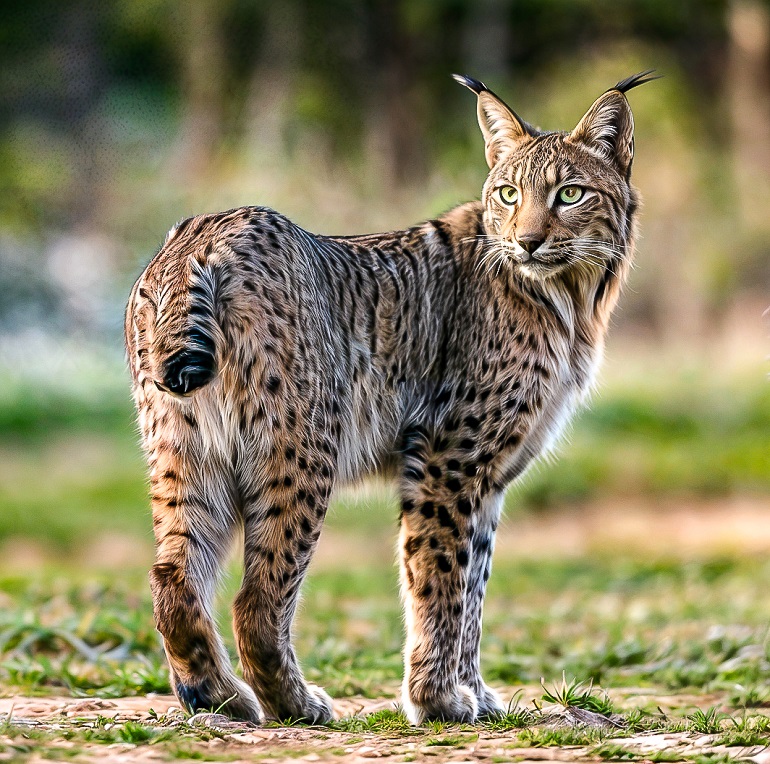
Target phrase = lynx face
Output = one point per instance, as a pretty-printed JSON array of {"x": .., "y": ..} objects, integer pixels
[{"x": 556, "y": 201}]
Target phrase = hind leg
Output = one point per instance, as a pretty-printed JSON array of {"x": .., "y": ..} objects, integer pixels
[
  {"x": 281, "y": 530},
  {"x": 479, "y": 568},
  {"x": 194, "y": 521}
]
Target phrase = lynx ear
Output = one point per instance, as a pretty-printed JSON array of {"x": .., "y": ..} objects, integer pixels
[
  {"x": 607, "y": 129},
  {"x": 502, "y": 128}
]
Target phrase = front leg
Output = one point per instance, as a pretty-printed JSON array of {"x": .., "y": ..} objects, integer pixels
[
  {"x": 436, "y": 533},
  {"x": 479, "y": 569}
]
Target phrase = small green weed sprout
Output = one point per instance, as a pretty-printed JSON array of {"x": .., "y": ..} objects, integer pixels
[
  {"x": 578, "y": 694},
  {"x": 516, "y": 716},
  {"x": 708, "y": 722}
]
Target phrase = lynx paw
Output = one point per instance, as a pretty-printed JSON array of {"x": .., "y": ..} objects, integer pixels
[
  {"x": 318, "y": 706},
  {"x": 457, "y": 705},
  {"x": 308, "y": 704},
  {"x": 490, "y": 703},
  {"x": 236, "y": 699}
]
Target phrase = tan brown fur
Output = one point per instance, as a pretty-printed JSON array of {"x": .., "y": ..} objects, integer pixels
[{"x": 270, "y": 365}]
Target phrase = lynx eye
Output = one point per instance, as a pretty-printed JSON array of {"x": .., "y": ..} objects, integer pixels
[
  {"x": 570, "y": 194},
  {"x": 508, "y": 194}
]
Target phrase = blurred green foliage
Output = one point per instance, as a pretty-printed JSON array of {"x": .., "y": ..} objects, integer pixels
[
  {"x": 117, "y": 119},
  {"x": 72, "y": 469}
]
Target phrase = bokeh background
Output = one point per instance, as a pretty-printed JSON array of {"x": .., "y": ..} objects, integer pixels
[{"x": 120, "y": 118}]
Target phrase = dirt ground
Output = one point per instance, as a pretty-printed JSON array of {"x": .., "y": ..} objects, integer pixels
[{"x": 218, "y": 739}]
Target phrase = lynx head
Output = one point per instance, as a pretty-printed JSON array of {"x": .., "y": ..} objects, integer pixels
[{"x": 558, "y": 202}]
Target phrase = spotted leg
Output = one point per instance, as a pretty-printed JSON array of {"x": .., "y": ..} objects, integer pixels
[
  {"x": 479, "y": 568},
  {"x": 282, "y": 529},
  {"x": 194, "y": 519},
  {"x": 435, "y": 538}
]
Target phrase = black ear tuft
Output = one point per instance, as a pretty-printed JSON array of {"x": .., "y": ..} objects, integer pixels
[
  {"x": 472, "y": 84},
  {"x": 635, "y": 80},
  {"x": 501, "y": 126}
]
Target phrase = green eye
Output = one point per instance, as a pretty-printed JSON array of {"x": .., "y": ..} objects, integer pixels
[
  {"x": 508, "y": 194},
  {"x": 570, "y": 194}
]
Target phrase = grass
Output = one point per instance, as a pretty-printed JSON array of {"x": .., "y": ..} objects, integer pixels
[
  {"x": 576, "y": 694},
  {"x": 706, "y": 721},
  {"x": 674, "y": 626}
]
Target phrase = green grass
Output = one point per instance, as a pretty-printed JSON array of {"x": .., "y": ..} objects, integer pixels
[
  {"x": 577, "y": 694},
  {"x": 671, "y": 625}
]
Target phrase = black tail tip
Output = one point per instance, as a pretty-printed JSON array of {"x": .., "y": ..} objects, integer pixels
[{"x": 186, "y": 372}]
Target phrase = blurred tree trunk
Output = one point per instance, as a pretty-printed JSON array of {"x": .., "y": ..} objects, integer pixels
[
  {"x": 749, "y": 102},
  {"x": 201, "y": 52},
  {"x": 487, "y": 39},
  {"x": 84, "y": 78},
  {"x": 395, "y": 138},
  {"x": 273, "y": 83}
]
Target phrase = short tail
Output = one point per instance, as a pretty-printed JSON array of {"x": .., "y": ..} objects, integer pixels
[
  {"x": 193, "y": 363},
  {"x": 172, "y": 333},
  {"x": 190, "y": 368}
]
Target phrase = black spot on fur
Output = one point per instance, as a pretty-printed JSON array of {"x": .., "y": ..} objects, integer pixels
[
  {"x": 453, "y": 484},
  {"x": 190, "y": 368},
  {"x": 443, "y": 564},
  {"x": 434, "y": 471},
  {"x": 195, "y": 696},
  {"x": 444, "y": 518},
  {"x": 443, "y": 397},
  {"x": 462, "y": 558},
  {"x": 464, "y": 507},
  {"x": 427, "y": 509}
]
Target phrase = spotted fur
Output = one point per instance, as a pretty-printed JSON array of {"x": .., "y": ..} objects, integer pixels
[{"x": 271, "y": 365}]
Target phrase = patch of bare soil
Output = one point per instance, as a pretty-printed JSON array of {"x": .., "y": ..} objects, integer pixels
[{"x": 213, "y": 737}]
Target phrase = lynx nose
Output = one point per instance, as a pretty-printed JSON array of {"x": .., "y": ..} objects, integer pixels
[{"x": 529, "y": 242}]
